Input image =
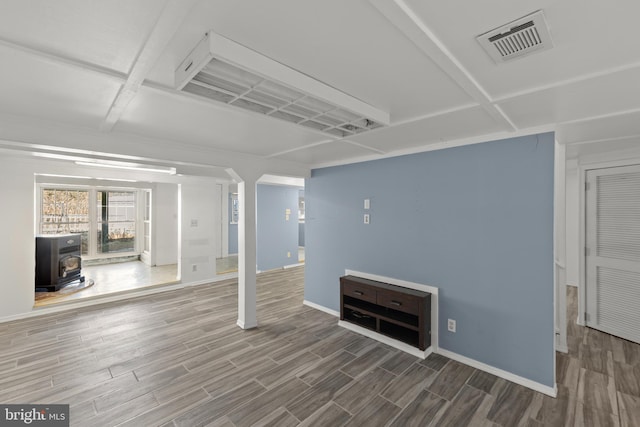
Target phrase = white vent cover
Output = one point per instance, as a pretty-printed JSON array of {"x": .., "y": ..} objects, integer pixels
[
  {"x": 225, "y": 71},
  {"x": 518, "y": 38}
]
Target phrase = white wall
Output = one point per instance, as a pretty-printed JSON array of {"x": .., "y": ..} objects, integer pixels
[
  {"x": 165, "y": 226},
  {"x": 17, "y": 254},
  {"x": 572, "y": 224},
  {"x": 200, "y": 230}
]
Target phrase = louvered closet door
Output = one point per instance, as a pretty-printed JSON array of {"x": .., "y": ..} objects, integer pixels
[{"x": 613, "y": 251}]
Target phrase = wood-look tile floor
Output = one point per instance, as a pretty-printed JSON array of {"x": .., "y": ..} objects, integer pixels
[{"x": 178, "y": 359}]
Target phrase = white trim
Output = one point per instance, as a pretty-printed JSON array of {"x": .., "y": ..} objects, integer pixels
[
  {"x": 562, "y": 348},
  {"x": 321, "y": 308},
  {"x": 533, "y": 385},
  {"x": 582, "y": 211},
  {"x": 439, "y": 145},
  {"x": 591, "y": 163},
  {"x": 246, "y": 325},
  {"x": 386, "y": 340},
  {"x": 286, "y": 267},
  {"x": 559, "y": 251},
  {"x": 410, "y": 285}
]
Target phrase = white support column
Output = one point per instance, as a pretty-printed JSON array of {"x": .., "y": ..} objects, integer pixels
[
  {"x": 560, "y": 237},
  {"x": 247, "y": 259}
]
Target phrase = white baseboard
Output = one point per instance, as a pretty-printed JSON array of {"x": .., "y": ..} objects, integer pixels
[
  {"x": 550, "y": 391},
  {"x": 244, "y": 325},
  {"x": 386, "y": 340},
  {"x": 298, "y": 264},
  {"x": 321, "y": 308}
]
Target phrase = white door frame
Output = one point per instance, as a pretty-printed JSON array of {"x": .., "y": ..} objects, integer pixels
[
  {"x": 559, "y": 249},
  {"x": 583, "y": 167}
]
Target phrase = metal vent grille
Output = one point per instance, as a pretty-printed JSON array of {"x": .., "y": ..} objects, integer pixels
[
  {"x": 518, "y": 38},
  {"x": 212, "y": 71}
]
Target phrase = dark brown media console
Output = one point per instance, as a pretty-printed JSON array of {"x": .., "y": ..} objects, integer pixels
[{"x": 397, "y": 312}]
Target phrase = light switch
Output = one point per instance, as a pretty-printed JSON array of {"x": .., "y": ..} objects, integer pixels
[{"x": 367, "y": 203}]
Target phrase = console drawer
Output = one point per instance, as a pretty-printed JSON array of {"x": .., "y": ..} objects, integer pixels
[
  {"x": 398, "y": 301},
  {"x": 362, "y": 292}
]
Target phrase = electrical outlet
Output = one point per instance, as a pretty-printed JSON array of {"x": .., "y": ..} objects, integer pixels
[
  {"x": 194, "y": 267},
  {"x": 366, "y": 218},
  {"x": 451, "y": 325}
]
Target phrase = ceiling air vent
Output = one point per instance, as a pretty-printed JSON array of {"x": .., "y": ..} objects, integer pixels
[
  {"x": 518, "y": 38},
  {"x": 225, "y": 71}
]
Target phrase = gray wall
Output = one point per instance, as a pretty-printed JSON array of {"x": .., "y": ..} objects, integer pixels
[{"x": 474, "y": 221}]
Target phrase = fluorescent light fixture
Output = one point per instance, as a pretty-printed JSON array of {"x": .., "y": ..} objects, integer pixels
[
  {"x": 134, "y": 167},
  {"x": 115, "y": 179},
  {"x": 51, "y": 175},
  {"x": 225, "y": 71}
]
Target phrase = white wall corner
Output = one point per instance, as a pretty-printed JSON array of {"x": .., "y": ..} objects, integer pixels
[{"x": 321, "y": 308}]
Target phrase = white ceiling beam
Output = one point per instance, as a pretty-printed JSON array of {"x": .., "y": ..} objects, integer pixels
[
  {"x": 59, "y": 59},
  {"x": 171, "y": 17},
  {"x": 409, "y": 23}
]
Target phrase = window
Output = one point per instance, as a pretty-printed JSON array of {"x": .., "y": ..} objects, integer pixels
[
  {"x": 147, "y": 221},
  {"x": 65, "y": 211},
  {"x": 116, "y": 220},
  {"x": 107, "y": 219}
]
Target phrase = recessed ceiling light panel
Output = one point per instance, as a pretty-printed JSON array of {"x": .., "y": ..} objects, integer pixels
[{"x": 225, "y": 71}]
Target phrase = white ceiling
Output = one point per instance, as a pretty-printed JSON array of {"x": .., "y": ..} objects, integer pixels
[{"x": 67, "y": 61}]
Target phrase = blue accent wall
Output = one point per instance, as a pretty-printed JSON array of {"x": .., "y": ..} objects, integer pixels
[
  {"x": 275, "y": 235},
  {"x": 475, "y": 221}
]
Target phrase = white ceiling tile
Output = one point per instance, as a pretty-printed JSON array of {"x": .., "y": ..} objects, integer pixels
[
  {"x": 603, "y": 129},
  {"x": 589, "y": 36},
  {"x": 105, "y": 33},
  {"x": 448, "y": 127},
  {"x": 330, "y": 152},
  {"x": 616, "y": 92},
  {"x": 36, "y": 88}
]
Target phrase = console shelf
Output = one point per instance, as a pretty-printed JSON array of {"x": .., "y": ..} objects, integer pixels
[{"x": 400, "y": 313}]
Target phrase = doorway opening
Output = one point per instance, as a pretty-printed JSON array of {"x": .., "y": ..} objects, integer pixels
[{"x": 126, "y": 243}]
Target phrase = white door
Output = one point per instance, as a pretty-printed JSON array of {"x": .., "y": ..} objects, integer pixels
[{"x": 613, "y": 251}]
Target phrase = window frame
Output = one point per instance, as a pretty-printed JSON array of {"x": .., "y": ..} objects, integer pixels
[{"x": 92, "y": 252}]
